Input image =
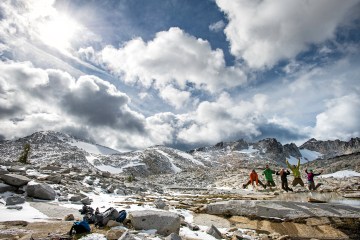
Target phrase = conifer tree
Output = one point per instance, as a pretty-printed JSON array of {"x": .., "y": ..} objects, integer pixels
[{"x": 25, "y": 154}]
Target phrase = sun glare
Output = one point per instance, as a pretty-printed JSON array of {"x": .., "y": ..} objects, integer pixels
[{"x": 58, "y": 32}]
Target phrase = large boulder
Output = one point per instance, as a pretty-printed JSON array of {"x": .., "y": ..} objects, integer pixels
[
  {"x": 164, "y": 222},
  {"x": 15, "y": 179},
  {"x": 40, "y": 190}
]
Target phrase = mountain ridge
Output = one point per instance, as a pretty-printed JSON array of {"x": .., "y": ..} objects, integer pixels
[{"x": 59, "y": 148}]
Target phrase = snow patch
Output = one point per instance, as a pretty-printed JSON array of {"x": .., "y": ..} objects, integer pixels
[
  {"x": 171, "y": 160},
  {"x": 189, "y": 157},
  {"x": 341, "y": 174},
  {"x": 249, "y": 150},
  {"x": 27, "y": 213},
  {"x": 309, "y": 155}
]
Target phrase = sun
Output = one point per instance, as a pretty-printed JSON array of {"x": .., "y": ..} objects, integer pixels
[{"x": 58, "y": 32}]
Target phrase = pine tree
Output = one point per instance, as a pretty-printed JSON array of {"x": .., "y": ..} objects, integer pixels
[{"x": 25, "y": 154}]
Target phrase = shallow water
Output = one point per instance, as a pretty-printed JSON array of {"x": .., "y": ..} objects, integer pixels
[{"x": 330, "y": 197}]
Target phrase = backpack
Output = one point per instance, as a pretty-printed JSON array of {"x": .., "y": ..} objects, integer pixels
[
  {"x": 103, "y": 218},
  {"x": 80, "y": 227},
  {"x": 90, "y": 218},
  {"x": 122, "y": 216}
]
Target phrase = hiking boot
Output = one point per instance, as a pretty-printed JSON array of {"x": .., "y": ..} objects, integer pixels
[
  {"x": 244, "y": 186},
  {"x": 264, "y": 186}
]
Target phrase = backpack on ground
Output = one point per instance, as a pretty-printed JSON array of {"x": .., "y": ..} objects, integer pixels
[
  {"x": 80, "y": 227},
  {"x": 103, "y": 218},
  {"x": 122, "y": 216}
]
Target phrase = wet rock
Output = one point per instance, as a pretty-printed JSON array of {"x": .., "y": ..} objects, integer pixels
[
  {"x": 41, "y": 191},
  {"x": 213, "y": 231},
  {"x": 15, "y": 179},
  {"x": 13, "y": 200},
  {"x": 164, "y": 222}
]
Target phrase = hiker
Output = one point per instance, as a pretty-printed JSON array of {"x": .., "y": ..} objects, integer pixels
[
  {"x": 297, "y": 176},
  {"x": 268, "y": 176},
  {"x": 254, "y": 178},
  {"x": 310, "y": 177},
  {"x": 284, "y": 182}
]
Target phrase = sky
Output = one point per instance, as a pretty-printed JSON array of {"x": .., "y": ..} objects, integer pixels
[{"x": 129, "y": 74}]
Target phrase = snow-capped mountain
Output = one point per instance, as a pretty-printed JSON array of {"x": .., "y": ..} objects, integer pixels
[{"x": 50, "y": 147}]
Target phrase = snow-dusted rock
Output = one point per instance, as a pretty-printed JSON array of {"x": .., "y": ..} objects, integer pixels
[
  {"x": 40, "y": 190},
  {"x": 15, "y": 179},
  {"x": 164, "y": 222}
]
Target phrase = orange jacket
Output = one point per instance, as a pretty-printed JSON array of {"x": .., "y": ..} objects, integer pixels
[{"x": 254, "y": 177}]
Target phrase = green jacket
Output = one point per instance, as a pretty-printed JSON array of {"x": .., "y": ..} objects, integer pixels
[
  {"x": 295, "y": 170},
  {"x": 268, "y": 174}
]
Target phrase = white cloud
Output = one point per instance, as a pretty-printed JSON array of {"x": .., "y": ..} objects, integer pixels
[
  {"x": 265, "y": 32},
  {"x": 224, "y": 119},
  {"x": 175, "y": 97},
  {"x": 172, "y": 57},
  {"x": 340, "y": 120},
  {"x": 218, "y": 26},
  {"x": 34, "y": 99}
]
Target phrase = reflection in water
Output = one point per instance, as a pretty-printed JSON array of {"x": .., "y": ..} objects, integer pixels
[{"x": 331, "y": 197}]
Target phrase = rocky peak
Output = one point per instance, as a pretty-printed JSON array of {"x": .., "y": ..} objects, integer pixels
[{"x": 332, "y": 148}]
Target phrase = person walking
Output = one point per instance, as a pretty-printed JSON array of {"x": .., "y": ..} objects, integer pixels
[
  {"x": 254, "y": 178},
  {"x": 296, "y": 171},
  {"x": 284, "y": 182},
  {"x": 310, "y": 178},
  {"x": 268, "y": 176}
]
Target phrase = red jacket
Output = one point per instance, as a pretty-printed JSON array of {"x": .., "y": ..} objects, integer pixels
[{"x": 254, "y": 177}]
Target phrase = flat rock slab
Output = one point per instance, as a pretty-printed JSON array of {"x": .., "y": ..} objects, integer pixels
[
  {"x": 208, "y": 220},
  {"x": 281, "y": 209},
  {"x": 56, "y": 211}
]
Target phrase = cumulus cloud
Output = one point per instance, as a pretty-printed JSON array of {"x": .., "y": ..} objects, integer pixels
[
  {"x": 340, "y": 120},
  {"x": 264, "y": 32},
  {"x": 33, "y": 99},
  {"x": 224, "y": 119},
  {"x": 172, "y": 57}
]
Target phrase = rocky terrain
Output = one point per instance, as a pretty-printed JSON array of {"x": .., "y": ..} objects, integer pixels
[{"x": 198, "y": 192}]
